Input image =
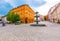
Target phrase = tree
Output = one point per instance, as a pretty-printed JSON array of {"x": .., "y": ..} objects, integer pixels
[
  {"x": 17, "y": 17},
  {"x": 0, "y": 19},
  {"x": 13, "y": 17},
  {"x": 45, "y": 18},
  {"x": 8, "y": 17}
]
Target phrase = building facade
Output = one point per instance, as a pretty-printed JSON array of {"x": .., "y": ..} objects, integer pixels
[
  {"x": 0, "y": 17},
  {"x": 25, "y": 12},
  {"x": 41, "y": 18},
  {"x": 47, "y": 17},
  {"x": 54, "y": 13}
]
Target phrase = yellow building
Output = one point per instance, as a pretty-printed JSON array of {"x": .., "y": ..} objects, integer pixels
[{"x": 25, "y": 12}]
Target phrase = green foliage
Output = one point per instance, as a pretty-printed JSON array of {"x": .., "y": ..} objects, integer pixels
[
  {"x": 0, "y": 19},
  {"x": 17, "y": 18},
  {"x": 13, "y": 17},
  {"x": 45, "y": 18},
  {"x": 8, "y": 17}
]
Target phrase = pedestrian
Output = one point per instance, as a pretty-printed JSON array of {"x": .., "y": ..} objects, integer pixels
[{"x": 3, "y": 21}]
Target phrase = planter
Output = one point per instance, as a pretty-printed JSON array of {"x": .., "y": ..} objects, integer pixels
[{"x": 17, "y": 23}]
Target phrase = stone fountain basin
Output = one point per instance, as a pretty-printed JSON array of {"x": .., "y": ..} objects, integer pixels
[{"x": 37, "y": 25}]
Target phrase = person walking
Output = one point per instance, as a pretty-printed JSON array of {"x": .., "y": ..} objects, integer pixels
[{"x": 3, "y": 21}]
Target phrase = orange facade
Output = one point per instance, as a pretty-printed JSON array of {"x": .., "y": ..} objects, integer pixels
[{"x": 25, "y": 12}]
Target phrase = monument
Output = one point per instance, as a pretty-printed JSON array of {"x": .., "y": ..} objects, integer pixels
[{"x": 37, "y": 21}]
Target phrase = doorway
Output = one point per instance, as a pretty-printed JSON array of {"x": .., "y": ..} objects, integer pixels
[{"x": 26, "y": 20}]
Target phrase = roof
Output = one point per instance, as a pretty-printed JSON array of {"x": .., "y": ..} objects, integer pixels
[
  {"x": 21, "y": 6},
  {"x": 53, "y": 8}
]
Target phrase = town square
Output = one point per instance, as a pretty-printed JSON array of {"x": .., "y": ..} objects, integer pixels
[
  {"x": 25, "y": 32},
  {"x": 29, "y": 20}
]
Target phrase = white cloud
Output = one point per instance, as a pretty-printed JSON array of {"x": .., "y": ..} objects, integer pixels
[{"x": 43, "y": 10}]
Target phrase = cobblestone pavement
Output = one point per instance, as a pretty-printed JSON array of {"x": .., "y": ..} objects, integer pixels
[{"x": 25, "y": 32}]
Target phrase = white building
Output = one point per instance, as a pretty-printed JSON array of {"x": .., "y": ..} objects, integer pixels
[{"x": 54, "y": 13}]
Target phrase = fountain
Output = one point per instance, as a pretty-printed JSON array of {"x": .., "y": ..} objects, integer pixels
[{"x": 37, "y": 21}]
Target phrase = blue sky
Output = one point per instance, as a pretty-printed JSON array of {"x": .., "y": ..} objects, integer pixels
[
  {"x": 6, "y": 5},
  {"x": 42, "y": 6},
  {"x": 30, "y": 2}
]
